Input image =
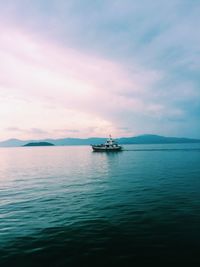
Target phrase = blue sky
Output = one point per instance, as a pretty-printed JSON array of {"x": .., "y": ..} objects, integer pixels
[{"x": 88, "y": 68}]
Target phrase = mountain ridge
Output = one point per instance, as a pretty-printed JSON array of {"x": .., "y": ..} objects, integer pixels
[{"x": 140, "y": 139}]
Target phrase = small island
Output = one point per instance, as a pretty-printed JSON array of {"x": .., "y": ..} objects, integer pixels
[{"x": 39, "y": 144}]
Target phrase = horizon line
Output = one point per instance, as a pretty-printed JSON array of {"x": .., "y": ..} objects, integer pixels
[{"x": 81, "y": 138}]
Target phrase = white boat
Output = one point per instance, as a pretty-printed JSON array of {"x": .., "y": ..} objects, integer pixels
[{"x": 109, "y": 146}]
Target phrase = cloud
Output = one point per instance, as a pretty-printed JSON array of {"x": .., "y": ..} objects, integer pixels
[
  {"x": 113, "y": 64},
  {"x": 13, "y": 129},
  {"x": 46, "y": 75},
  {"x": 34, "y": 131}
]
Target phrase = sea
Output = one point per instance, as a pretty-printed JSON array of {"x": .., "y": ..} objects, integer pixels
[{"x": 69, "y": 206}]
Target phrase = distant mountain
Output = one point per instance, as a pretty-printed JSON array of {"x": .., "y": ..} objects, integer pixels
[
  {"x": 39, "y": 144},
  {"x": 14, "y": 142},
  {"x": 156, "y": 139},
  {"x": 141, "y": 139}
]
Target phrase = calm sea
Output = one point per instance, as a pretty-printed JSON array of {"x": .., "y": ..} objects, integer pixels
[{"x": 69, "y": 206}]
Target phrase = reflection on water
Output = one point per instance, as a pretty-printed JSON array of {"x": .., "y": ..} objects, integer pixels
[{"x": 68, "y": 206}]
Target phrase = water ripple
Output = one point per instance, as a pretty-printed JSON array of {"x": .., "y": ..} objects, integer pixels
[{"x": 70, "y": 207}]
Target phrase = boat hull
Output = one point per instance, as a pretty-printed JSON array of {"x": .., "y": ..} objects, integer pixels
[{"x": 105, "y": 149}]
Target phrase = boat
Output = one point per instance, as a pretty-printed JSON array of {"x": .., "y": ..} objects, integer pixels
[{"x": 110, "y": 145}]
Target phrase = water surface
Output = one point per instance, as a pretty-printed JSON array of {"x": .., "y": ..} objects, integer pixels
[{"x": 68, "y": 206}]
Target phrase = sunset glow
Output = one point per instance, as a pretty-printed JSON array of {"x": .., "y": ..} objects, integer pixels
[{"x": 93, "y": 80}]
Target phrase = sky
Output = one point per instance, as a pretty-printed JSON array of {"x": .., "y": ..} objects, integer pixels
[{"x": 90, "y": 68}]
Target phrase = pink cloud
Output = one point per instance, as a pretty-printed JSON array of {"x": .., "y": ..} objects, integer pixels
[{"x": 48, "y": 75}]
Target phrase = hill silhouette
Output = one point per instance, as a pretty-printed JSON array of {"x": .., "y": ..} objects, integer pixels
[
  {"x": 141, "y": 139},
  {"x": 39, "y": 144}
]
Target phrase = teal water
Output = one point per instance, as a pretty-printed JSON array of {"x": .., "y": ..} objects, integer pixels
[{"x": 68, "y": 206}]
